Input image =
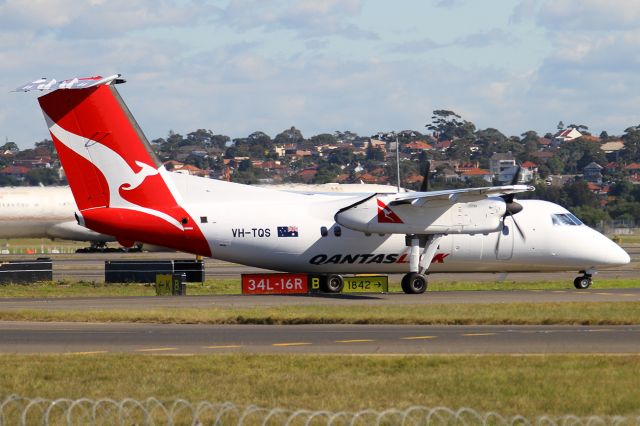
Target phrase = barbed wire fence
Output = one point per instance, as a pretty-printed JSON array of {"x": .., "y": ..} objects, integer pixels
[{"x": 16, "y": 410}]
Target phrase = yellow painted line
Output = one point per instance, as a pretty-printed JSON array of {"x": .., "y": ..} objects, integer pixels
[
  {"x": 479, "y": 334},
  {"x": 223, "y": 347},
  {"x": 558, "y": 291},
  {"x": 605, "y": 294},
  {"x": 628, "y": 294},
  {"x": 87, "y": 353},
  {"x": 291, "y": 344},
  {"x": 156, "y": 349},
  {"x": 355, "y": 341},
  {"x": 418, "y": 337}
]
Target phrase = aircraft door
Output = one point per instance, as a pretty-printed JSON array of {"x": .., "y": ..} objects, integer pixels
[{"x": 504, "y": 245}]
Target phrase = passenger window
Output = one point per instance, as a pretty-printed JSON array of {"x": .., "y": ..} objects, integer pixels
[
  {"x": 323, "y": 231},
  {"x": 203, "y": 219},
  {"x": 337, "y": 231}
]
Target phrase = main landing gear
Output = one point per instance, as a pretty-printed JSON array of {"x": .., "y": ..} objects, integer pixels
[
  {"x": 583, "y": 282},
  {"x": 332, "y": 283},
  {"x": 415, "y": 282}
]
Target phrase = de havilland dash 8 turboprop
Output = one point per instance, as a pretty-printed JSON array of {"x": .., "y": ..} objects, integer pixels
[{"x": 121, "y": 189}]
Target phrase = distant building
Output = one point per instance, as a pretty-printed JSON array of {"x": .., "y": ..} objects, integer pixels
[
  {"x": 593, "y": 173},
  {"x": 566, "y": 135},
  {"x": 503, "y": 166}
]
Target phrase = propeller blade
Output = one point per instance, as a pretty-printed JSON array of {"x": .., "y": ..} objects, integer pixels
[
  {"x": 518, "y": 227},
  {"x": 424, "y": 187},
  {"x": 516, "y": 176}
]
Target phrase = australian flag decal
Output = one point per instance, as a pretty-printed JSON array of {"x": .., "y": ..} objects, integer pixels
[{"x": 287, "y": 231}]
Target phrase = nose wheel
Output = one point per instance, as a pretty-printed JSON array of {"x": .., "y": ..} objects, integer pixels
[
  {"x": 583, "y": 282},
  {"x": 414, "y": 283}
]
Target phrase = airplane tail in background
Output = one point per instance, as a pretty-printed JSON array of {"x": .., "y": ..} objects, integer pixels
[{"x": 119, "y": 185}]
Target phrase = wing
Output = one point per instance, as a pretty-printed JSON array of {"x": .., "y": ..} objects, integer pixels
[
  {"x": 455, "y": 195},
  {"x": 454, "y": 211}
]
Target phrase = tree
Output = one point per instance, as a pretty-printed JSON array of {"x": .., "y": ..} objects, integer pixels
[
  {"x": 323, "y": 139},
  {"x": 631, "y": 138},
  {"x": 10, "y": 146},
  {"x": 289, "y": 136},
  {"x": 42, "y": 176},
  {"x": 448, "y": 125}
]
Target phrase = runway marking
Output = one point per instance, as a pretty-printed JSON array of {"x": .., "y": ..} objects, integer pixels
[
  {"x": 292, "y": 344},
  {"x": 627, "y": 294},
  {"x": 87, "y": 353},
  {"x": 478, "y": 334},
  {"x": 599, "y": 329},
  {"x": 355, "y": 341},
  {"x": 223, "y": 347},
  {"x": 606, "y": 294},
  {"x": 156, "y": 349},
  {"x": 418, "y": 337},
  {"x": 558, "y": 291}
]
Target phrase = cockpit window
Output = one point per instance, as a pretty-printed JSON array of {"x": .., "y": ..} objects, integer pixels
[{"x": 565, "y": 219}]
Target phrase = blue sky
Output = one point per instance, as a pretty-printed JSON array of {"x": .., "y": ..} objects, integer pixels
[{"x": 237, "y": 66}]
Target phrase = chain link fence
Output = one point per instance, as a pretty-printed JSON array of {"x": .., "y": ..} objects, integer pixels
[{"x": 16, "y": 410}]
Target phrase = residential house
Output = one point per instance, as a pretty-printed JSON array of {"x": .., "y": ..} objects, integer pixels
[
  {"x": 566, "y": 135},
  {"x": 15, "y": 172},
  {"x": 503, "y": 166},
  {"x": 477, "y": 173},
  {"x": 593, "y": 173}
]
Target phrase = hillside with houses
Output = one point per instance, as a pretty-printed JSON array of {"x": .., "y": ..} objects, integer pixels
[{"x": 596, "y": 176}]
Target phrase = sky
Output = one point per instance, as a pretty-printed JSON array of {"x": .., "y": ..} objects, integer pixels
[{"x": 239, "y": 66}]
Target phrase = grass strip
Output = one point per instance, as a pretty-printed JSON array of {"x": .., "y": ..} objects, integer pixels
[
  {"x": 531, "y": 385},
  {"x": 583, "y": 313},
  {"x": 232, "y": 286}
]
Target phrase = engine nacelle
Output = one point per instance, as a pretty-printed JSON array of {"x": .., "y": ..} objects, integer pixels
[{"x": 380, "y": 215}]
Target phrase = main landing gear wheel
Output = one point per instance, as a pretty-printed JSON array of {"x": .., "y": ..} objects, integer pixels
[
  {"x": 333, "y": 284},
  {"x": 414, "y": 283},
  {"x": 582, "y": 282}
]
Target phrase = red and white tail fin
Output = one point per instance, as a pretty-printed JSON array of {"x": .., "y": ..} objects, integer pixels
[{"x": 120, "y": 187}]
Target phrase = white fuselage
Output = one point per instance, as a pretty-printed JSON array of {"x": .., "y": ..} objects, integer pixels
[
  {"x": 42, "y": 212},
  {"x": 241, "y": 224}
]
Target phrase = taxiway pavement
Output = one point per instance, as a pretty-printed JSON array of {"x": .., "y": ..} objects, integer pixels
[
  {"x": 91, "y": 338},
  {"x": 229, "y": 301}
]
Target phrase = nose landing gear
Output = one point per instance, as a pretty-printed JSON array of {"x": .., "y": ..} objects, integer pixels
[
  {"x": 583, "y": 282},
  {"x": 414, "y": 283}
]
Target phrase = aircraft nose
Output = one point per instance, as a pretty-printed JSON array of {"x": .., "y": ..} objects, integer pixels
[{"x": 612, "y": 254}]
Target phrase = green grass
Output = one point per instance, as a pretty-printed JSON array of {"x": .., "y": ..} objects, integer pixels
[
  {"x": 69, "y": 288},
  {"x": 585, "y": 313},
  {"x": 528, "y": 385}
]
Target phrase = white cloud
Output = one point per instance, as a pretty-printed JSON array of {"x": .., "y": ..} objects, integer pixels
[
  {"x": 590, "y": 15},
  {"x": 306, "y": 18},
  {"x": 98, "y": 18}
]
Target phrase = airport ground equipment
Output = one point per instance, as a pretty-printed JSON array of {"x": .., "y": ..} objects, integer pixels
[
  {"x": 26, "y": 271},
  {"x": 145, "y": 271}
]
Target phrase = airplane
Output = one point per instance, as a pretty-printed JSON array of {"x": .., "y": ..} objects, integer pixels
[
  {"x": 43, "y": 212},
  {"x": 121, "y": 189},
  {"x": 47, "y": 212}
]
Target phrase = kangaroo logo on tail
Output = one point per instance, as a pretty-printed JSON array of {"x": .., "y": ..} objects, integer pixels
[{"x": 117, "y": 172}]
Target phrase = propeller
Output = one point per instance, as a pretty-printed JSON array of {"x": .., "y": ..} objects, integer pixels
[
  {"x": 424, "y": 187},
  {"x": 512, "y": 208}
]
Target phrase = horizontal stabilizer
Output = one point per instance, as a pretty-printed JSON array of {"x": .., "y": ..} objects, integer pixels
[{"x": 74, "y": 83}]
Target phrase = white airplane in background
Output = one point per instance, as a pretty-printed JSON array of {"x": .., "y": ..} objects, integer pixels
[
  {"x": 43, "y": 212},
  {"x": 121, "y": 189}
]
